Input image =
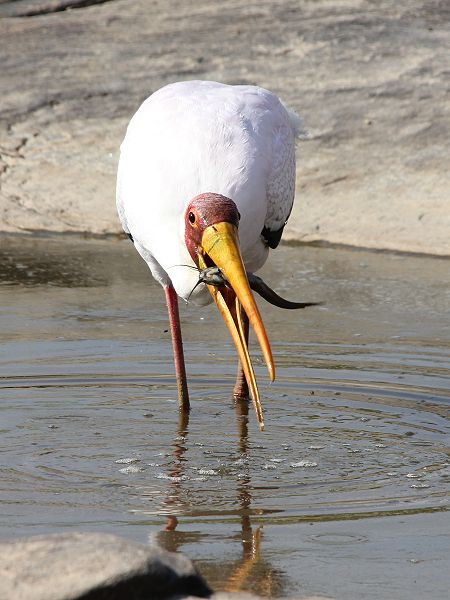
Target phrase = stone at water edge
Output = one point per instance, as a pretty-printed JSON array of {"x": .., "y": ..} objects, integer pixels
[{"x": 93, "y": 566}]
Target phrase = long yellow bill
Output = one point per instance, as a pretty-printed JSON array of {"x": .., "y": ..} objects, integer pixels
[{"x": 220, "y": 243}]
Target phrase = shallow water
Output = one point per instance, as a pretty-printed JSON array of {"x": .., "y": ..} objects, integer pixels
[{"x": 346, "y": 492}]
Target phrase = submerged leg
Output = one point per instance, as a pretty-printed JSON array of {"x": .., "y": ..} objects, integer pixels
[
  {"x": 177, "y": 343},
  {"x": 240, "y": 390}
]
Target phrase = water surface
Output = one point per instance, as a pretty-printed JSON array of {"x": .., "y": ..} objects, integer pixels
[{"x": 346, "y": 492}]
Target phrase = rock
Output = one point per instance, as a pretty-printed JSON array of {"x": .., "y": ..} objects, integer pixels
[
  {"x": 368, "y": 78},
  {"x": 94, "y": 566}
]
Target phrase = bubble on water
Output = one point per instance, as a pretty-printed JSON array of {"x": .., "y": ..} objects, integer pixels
[
  {"x": 391, "y": 474},
  {"x": 171, "y": 477},
  {"x": 269, "y": 466},
  {"x": 153, "y": 464},
  {"x": 126, "y": 461},
  {"x": 412, "y": 476},
  {"x": 316, "y": 447},
  {"x": 131, "y": 469},
  {"x": 239, "y": 462},
  {"x": 380, "y": 446},
  {"x": 419, "y": 485},
  {"x": 304, "y": 463},
  {"x": 207, "y": 472},
  {"x": 277, "y": 460},
  {"x": 199, "y": 479}
]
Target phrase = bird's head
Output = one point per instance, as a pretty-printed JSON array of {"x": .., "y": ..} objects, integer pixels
[{"x": 211, "y": 236}]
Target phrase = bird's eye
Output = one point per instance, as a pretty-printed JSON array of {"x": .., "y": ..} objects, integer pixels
[{"x": 191, "y": 217}]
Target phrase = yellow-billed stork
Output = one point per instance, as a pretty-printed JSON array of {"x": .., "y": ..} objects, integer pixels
[{"x": 205, "y": 186}]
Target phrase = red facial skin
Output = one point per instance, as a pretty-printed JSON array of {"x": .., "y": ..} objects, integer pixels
[{"x": 205, "y": 210}]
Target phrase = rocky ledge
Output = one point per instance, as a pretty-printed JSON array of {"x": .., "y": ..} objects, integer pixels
[{"x": 369, "y": 78}]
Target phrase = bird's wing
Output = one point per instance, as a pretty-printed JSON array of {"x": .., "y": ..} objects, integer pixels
[{"x": 281, "y": 175}]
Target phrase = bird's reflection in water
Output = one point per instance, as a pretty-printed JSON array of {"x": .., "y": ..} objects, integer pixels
[
  {"x": 176, "y": 473},
  {"x": 250, "y": 539},
  {"x": 250, "y": 572}
]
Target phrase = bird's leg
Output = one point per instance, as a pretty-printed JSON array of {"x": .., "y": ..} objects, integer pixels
[
  {"x": 177, "y": 343},
  {"x": 240, "y": 390}
]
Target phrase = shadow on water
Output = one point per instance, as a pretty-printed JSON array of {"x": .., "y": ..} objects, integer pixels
[
  {"x": 39, "y": 261},
  {"x": 346, "y": 492}
]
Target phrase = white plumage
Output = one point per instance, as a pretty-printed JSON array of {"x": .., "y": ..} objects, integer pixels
[{"x": 194, "y": 137}]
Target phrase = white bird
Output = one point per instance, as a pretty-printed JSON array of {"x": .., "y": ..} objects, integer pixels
[{"x": 205, "y": 185}]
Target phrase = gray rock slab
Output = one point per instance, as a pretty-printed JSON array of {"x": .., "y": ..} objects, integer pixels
[
  {"x": 93, "y": 566},
  {"x": 369, "y": 78}
]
